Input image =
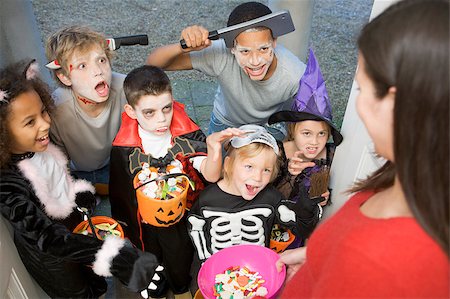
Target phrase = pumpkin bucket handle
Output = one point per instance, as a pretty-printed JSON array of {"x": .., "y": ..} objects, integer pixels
[
  {"x": 168, "y": 176},
  {"x": 87, "y": 216}
]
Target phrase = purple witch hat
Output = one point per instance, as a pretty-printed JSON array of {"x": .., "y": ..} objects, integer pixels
[{"x": 311, "y": 102}]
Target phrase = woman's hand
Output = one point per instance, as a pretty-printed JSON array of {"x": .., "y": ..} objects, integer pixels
[{"x": 293, "y": 259}]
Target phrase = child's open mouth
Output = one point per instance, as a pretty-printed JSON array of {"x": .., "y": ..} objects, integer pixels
[
  {"x": 43, "y": 140},
  {"x": 102, "y": 89},
  {"x": 255, "y": 72},
  {"x": 162, "y": 130},
  {"x": 252, "y": 190},
  {"x": 311, "y": 150}
]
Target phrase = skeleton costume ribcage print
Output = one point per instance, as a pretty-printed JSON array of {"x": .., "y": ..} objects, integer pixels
[{"x": 219, "y": 219}]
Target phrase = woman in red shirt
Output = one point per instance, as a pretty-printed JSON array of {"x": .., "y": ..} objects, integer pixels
[{"x": 391, "y": 239}]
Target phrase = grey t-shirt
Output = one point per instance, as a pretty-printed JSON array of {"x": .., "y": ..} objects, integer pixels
[
  {"x": 87, "y": 140},
  {"x": 239, "y": 100}
]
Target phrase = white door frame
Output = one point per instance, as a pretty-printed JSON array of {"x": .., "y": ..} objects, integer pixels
[{"x": 354, "y": 158}]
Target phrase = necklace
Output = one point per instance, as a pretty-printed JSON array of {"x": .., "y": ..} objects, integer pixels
[{"x": 20, "y": 157}]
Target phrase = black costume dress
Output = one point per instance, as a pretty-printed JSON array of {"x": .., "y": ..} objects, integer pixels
[
  {"x": 39, "y": 200},
  {"x": 295, "y": 187}
]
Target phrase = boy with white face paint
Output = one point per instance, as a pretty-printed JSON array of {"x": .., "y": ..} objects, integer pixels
[
  {"x": 156, "y": 131},
  {"x": 254, "y": 52},
  {"x": 89, "y": 101},
  {"x": 256, "y": 77}
]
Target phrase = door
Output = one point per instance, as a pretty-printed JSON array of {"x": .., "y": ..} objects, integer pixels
[
  {"x": 354, "y": 158},
  {"x": 15, "y": 282}
]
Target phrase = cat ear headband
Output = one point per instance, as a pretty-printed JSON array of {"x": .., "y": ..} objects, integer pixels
[
  {"x": 30, "y": 72},
  {"x": 3, "y": 96}
]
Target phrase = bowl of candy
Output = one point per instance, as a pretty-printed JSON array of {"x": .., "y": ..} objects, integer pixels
[
  {"x": 104, "y": 226},
  {"x": 161, "y": 196},
  {"x": 241, "y": 271}
]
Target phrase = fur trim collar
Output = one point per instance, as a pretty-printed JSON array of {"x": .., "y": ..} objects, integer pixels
[
  {"x": 103, "y": 258},
  {"x": 56, "y": 189}
]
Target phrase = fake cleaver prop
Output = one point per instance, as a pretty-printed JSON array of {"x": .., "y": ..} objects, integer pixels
[{"x": 279, "y": 22}]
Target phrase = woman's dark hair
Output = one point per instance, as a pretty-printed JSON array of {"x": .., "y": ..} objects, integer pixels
[
  {"x": 407, "y": 46},
  {"x": 13, "y": 83}
]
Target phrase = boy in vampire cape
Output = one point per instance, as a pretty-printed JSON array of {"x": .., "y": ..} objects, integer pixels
[{"x": 156, "y": 132}]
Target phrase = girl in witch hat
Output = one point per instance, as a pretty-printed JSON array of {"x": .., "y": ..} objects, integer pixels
[{"x": 306, "y": 152}]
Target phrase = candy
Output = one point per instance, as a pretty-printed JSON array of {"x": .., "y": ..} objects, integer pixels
[
  {"x": 102, "y": 230},
  {"x": 161, "y": 189},
  {"x": 142, "y": 176},
  {"x": 279, "y": 234},
  {"x": 239, "y": 283}
]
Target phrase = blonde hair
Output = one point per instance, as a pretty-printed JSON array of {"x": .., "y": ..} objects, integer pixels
[
  {"x": 62, "y": 44},
  {"x": 245, "y": 152}
]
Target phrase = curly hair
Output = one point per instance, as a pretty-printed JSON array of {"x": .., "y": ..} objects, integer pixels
[{"x": 13, "y": 83}]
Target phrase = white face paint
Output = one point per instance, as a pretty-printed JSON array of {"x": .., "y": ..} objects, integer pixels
[
  {"x": 254, "y": 52},
  {"x": 154, "y": 113},
  {"x": 90, "y": 74}
]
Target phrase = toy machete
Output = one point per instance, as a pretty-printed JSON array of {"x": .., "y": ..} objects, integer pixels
[{"x": 279, "y": 22}]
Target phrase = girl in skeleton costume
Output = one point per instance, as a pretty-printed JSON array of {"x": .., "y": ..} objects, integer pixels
[
  {"x": 306, "y": 153},
  {"x": 43, "y": 203},
  {"x": 241, "y": 208}
]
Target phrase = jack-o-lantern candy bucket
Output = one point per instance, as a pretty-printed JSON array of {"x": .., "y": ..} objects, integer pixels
[
  {"x": 280, "y": 239},
  {"x": 103, "y": 227},
  {"x": 162, "y": 200}
]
